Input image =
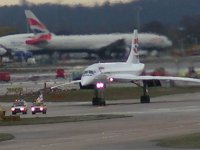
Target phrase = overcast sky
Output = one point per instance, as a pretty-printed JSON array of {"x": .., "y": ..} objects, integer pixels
[{"x": 70, "y": 2}]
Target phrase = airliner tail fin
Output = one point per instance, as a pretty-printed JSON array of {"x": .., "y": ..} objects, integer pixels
[
  {"x": 35, "y": 24},
  {"x": 134, "y": 54},
  {"x": 40, "y": 31}
]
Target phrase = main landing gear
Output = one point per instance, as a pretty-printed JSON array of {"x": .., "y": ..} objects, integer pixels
[
  {"x": 145, "y": 98},
  {"x": 98, "y": 99}
]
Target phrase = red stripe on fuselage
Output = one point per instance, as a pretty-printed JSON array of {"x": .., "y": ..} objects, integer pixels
[{"x": 43, "y": 37}]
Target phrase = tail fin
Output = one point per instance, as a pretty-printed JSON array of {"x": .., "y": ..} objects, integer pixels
[
  {"x": 41, "y": 33},
  {"x": 134, "y": 54},
  {"x": 35, "y": 24}
]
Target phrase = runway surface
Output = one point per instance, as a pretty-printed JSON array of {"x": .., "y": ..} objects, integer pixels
[{"x": 165, "y": 116}]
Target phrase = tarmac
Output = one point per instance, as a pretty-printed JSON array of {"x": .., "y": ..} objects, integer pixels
[{"x": 164, "y": 116}]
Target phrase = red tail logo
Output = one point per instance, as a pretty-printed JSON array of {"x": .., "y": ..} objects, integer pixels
[{"x": 33, "y": 22}]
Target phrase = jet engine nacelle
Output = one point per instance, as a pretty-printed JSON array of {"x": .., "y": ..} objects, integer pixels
[
  {"x": 153, "y": 83},
  {"x": 91, "y": 86}
]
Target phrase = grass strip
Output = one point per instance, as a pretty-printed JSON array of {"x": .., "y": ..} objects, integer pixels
[
  {"x": 59, "y": 119},
  {"x": 111, "y": 93},
  {"x": 182, "y": 141},
  {"x": 6, "y": 136}
]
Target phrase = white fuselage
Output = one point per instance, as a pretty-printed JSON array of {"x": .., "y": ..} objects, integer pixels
[
  {"x": 90, "y": 42},
  {"x": 101, "y": 71},
  {"x": 17, "y": 42}
]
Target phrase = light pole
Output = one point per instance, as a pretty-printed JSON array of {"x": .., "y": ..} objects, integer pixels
[
  {"x": 138, "y": 10},
  {"x": 181, "y": 29},
  {"x": 182, "y": 46}
]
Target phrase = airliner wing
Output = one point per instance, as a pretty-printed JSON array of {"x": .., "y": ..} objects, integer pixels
[
  {"x": 66, "y": 83},
  {"x": 132, "y": 78}
]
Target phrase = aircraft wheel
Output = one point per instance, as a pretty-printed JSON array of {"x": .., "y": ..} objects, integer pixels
[
  {"x": 98, "y": 101},
  {"x": 95, "y": 101},
  {"x": 103, "y": 103},
  {"x": 145, "y": 99}
]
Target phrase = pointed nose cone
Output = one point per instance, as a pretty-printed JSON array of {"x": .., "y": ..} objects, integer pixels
[{"x": 86, "y": 80}]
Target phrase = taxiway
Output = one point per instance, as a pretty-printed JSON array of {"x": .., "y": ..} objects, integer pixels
[{"x": 165, "y": 116}]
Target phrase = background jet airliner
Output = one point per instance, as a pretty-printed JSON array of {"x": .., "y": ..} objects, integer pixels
[
  {"x": 100, "y": 73},
  {"x": 43, "y": 39}
]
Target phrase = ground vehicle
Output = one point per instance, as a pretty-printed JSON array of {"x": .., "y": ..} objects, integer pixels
[
  {"x": 38, "y": 107},
  {"x": 60, "y": 73},
  {"x": 4, "y": 76},
  {"x": 19, "y": 106}
]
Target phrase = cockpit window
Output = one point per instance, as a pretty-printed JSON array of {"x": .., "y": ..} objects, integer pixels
[{"x": 89, "y": 73}]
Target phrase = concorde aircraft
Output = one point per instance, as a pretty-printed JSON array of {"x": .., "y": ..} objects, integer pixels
[
  {"x": 99, "y": 74},
  {"x": 42, "y": 40}
]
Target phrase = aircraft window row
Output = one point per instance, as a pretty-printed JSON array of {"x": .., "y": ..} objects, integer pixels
[{"x": 89, "y": 73}]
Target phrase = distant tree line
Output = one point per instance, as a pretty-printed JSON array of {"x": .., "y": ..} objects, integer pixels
[{"x": 174, "y": 18}]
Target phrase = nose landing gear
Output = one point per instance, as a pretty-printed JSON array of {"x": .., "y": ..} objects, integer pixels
[{"x": 99, "y": 99}]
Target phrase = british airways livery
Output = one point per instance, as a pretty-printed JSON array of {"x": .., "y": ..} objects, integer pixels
[
  {"x": 42, "y": 39},
  {"x": 99, "y": 74}
]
